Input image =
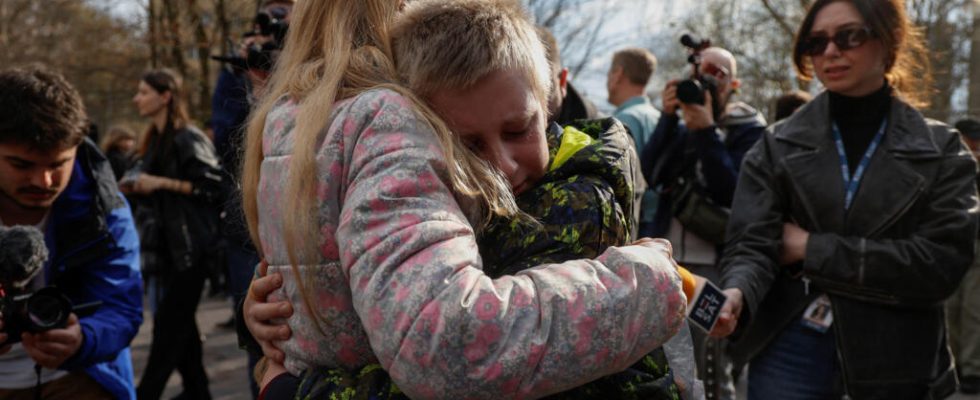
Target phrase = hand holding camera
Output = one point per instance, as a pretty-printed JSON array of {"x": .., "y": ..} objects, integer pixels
[
  {"x": 45, "y": 319},
  {"x": 697, "y": 95},
  {"x": 51, "y": 348}
]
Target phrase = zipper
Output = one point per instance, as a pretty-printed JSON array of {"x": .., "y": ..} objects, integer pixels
[
  {"x": 840, "y": 357},
  {"x": 806, "y": 285}
]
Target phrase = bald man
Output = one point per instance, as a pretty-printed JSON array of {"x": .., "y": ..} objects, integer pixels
[{"x": 694, "y": 163}]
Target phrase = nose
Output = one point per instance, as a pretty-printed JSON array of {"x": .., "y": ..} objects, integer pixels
[
  {"x": 831, "y": 50},
  {"x": 43, "y": 179},
  {"x": 504, "y": 160}
]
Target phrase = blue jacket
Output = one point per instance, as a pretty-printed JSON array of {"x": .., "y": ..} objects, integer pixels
[
  {"x": 94, "y": 255},
  {"x": 718, "y": 152},
  {"x": 640, "y": 117}
]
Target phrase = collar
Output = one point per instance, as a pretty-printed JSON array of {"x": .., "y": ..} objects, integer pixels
[
  {"x": 907, "y": 131},
  {"x": 633, "y": 101}
]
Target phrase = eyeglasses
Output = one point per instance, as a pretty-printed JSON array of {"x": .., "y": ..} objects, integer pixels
[
  {"x": 845, "y": 39},
  {"x": 714, "y": 70}
]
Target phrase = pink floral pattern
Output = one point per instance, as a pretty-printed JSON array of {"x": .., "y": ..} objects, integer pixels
[{"x": 400, "y": 280}]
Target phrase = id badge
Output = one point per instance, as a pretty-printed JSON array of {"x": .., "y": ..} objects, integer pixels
[
  {"x": 706, "y": 307},
  {"x": 818, "y": 315}
]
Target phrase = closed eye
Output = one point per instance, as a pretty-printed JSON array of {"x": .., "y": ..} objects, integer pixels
[
  {"x": 516, "y": 135},
  {"x": 475, "y": 145}
]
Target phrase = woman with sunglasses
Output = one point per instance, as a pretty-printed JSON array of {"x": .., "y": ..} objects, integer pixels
[{"x": 852, "y": 222}]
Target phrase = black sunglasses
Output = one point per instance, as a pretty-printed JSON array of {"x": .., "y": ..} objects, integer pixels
[{"x": 845, "y": 39}]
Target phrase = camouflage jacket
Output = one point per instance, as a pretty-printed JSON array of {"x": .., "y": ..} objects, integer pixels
[{"x": 581, "y": 206}]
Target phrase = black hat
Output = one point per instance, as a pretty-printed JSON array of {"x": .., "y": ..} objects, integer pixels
[{"x": 969, "y": 127}]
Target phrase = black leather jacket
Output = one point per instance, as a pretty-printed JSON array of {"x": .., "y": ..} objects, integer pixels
[
  {"x": 181, "y": 227},
  {"x": 887, "y": 264}
]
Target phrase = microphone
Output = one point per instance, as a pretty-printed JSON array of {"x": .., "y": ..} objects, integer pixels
[{"x": 22, "y": 255}]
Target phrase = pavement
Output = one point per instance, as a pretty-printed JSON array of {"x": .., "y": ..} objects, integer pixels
[{"x": 226, "y": 365}]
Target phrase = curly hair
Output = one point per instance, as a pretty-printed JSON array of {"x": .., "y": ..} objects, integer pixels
[{"x": 40, "y": 109}]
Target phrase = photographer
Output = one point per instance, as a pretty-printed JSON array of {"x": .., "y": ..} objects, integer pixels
[
  {"x": 52, "y": 178},
  {"x": 695, "y": 166}
]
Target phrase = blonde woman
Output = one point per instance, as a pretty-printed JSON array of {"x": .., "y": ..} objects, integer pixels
[{"x": 365, "y": 204}]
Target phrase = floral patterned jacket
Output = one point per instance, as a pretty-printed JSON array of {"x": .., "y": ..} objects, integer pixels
[{"x": 400, "y": 281}]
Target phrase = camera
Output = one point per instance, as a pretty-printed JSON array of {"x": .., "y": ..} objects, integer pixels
[
  {"x": 22, "y": 257},
  {"x": 261, "y": 56},
  {"x": 691, "y": 91},
  {"x": 36, "y": 312}
]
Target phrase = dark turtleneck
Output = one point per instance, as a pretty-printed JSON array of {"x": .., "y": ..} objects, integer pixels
[{"x": 859, "y": 119}]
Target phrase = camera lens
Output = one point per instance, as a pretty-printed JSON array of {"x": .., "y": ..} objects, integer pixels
[
  {"x": 47, "y": 311},
  {"x": 690, "y": 91}
]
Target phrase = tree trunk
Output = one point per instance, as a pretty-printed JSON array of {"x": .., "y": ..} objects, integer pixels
[
  {"x": 225, "y": 34},
  {"x": 152, "y": 33},
  {"x": 973, "y": 105},
  {"x": 171, "y": 12},
  {"x": 204, "y": 59},
  {"x": 940, "y": 38}
]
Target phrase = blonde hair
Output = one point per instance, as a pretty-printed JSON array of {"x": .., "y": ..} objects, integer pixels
[
  {"x": 335, "y": 50},
  {"x": 442, "y": 44}
]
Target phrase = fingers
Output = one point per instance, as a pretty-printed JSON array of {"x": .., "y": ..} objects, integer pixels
[
  {"x": 264, "y": 312},
  {"x": 273, "y": 353},
  {"x": 723, "y": 328},
  {"x": 40, "y": 356},
  {"x": 263, "y": 268},
  {"x": 730, "y": 312},
  {"x": 258, "y": 312},
  {"x": 669, "y": 97},
  {"x": 51, "y": 348},
  {"x": 656, "y": 243},
  {"x": 261, "y": 287},
  {"x": 67, "y": 335}
]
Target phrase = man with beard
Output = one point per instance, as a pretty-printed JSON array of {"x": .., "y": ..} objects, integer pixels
[
  {"x": 53, "y": 178},
  {"x": 694, "y": 165}
]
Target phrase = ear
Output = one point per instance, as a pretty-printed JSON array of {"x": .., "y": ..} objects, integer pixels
[
  {"x": 167, "y": 96},
  {"x": 617, "y": 72},
  {"x": 563, "y": 81}
]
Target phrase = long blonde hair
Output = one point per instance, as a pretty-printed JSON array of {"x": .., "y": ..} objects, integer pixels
[{"x": 336, "y": 49}]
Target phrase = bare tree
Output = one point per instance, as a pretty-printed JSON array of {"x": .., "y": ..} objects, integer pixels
[
  {"x": 203, "y": 46},
  {"x": 973, "y": 108},
  {"x": 223, "y": 26},
  {"x": 579, "y": 37},
  {"x": 153, "y": 32},
  {"x": 945, "y": 24}
]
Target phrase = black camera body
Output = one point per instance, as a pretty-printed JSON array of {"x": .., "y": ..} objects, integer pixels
[
  {"x": 271, "y": 25},
  {"x": 691, "y": 91},
  {"x": 36, "y": 312},
  {"x": 263, "y": 56}
]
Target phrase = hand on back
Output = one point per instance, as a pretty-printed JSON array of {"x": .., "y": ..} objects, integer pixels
[{"x": 259, "y": 313}]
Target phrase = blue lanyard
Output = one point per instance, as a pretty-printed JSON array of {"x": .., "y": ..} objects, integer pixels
[{"x": 851, "y": 183}]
